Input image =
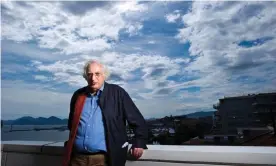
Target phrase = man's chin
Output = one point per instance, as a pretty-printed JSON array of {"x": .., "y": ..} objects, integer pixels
[{"x": 93, "y": 87}]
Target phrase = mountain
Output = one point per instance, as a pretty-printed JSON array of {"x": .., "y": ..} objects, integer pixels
[
  {"x": 27, "y": 120},
  {"x": 200, "y": 114}
]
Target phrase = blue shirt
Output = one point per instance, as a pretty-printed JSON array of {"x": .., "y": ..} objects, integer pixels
[{"x": 90, "y": 135}]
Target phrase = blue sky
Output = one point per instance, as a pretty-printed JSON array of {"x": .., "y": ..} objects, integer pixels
[{"x": 172, "y": 57}]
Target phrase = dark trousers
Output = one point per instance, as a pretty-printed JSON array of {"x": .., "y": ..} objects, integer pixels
[{"x": 88, "y": 160}]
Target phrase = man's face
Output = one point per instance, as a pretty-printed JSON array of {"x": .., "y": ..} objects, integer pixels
[{"x": 95, "y": 76}]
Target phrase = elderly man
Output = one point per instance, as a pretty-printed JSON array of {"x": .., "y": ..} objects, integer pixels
[{"x": 97, "y": 122}]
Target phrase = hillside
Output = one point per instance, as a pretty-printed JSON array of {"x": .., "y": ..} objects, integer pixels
[
  {"x": 200, "y": 114},
  {"x": 28, "y": 120}
]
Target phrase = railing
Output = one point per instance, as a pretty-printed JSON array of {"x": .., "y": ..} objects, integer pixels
[{"x": 21, "y": 153}]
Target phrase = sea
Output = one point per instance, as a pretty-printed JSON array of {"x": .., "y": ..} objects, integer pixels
[{"x": 34, "y": 133}]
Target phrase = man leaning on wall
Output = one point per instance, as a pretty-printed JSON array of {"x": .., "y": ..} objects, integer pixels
[{"x": 97, "y": 122}]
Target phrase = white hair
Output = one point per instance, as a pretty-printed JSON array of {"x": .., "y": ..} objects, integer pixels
[{"x": 104, "y": 68}]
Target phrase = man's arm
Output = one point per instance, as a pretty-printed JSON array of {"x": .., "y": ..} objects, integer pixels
[{"x": 136, "y": 121}]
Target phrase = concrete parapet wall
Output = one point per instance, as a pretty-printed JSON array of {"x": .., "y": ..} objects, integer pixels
[{"x": 29, "y": 153}]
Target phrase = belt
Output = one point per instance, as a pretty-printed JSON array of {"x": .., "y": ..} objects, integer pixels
[{"x": 90, "y": 153}]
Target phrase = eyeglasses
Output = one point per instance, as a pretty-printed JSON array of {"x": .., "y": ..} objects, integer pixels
[{"x": 97, "y": 75}]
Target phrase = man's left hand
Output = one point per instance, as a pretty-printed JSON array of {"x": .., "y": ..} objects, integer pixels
[{"x": 137, "y": 152}]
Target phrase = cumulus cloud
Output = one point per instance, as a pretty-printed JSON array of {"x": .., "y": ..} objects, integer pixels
[
  {"x": 15, "y": 68},
  {"x": 143, "y": 76},
  {"x": 147, "y": 68},
  {"x": 215, "y": 31},
  {"x": 231, "y": 50},
  {"x": 29, "y": 50},
  {"x": 173, "y": 17},
  {"x": 41, "y": 78},
  {"x": 56, "y": 28},
  {"x": 151, "y": 42}
]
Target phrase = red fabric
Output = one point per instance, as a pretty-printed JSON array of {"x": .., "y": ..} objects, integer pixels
[{"x": 73, "y": 132}]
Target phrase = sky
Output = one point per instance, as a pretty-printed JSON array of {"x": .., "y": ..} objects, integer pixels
[{"x": 173, "y": 58}]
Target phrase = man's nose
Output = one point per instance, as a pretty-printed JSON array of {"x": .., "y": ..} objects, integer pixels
[{"x": 93, "y": 77}]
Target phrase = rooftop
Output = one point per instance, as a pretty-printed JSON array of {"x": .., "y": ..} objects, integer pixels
[
  {"x": 33, "y": 153},
  {"x": 248, "y": 95}
]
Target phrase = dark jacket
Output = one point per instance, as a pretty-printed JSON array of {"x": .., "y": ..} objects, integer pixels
[{"x": 117, "y": 108}]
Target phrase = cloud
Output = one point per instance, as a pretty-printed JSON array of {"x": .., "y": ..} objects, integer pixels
[
  {"x": 80, "y": 8},
  {"x": 41, "y": 77},
  {"x": 151, "y": 42},
  {"x": 173, "y": 17},
  {"x": 14, "y": 68},
  {"x": 214, "y": 31},
  {"x": 130, "y": 6},
  {"x": 172, "y": 58},
  {"x": 133, "y": 29},
  {"x": 61, "y": 30},
  {"x": 32, "y": 100},
  {"x": 30, "y": 50},
  {"x": 120, "y": 65},
  {"x": 141, "y": 78}
]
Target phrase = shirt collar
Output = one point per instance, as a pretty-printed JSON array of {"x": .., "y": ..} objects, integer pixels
[{"x": 102, "y": 88}]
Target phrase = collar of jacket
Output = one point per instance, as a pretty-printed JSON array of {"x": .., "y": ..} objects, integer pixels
[{"x": 103, "y": 94}]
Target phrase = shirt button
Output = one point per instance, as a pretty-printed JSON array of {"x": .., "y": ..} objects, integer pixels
[{"x": 88, "y": 125}]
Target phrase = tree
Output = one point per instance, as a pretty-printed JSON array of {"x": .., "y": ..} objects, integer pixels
[
  {"x": 164, "y": 138},
  {"x": 183, "y": 134},
  {"x": 150, "y": 136}
]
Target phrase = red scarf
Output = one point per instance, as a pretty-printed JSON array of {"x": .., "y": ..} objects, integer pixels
[{"x": 73, "y": 132}]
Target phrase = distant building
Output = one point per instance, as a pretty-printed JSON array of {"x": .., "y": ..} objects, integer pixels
[{"x": 237, "y": 112}]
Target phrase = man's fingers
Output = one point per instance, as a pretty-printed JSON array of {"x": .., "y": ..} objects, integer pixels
[
  {"x": 133, "y": 152},
  {"x": 137, "y": 152},
  {"x": 141, "y": 152}
]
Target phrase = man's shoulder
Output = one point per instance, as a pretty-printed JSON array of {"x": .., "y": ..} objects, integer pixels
[
  {"x": 114, "y": 87},
  {"x": 79, "y": 91}
]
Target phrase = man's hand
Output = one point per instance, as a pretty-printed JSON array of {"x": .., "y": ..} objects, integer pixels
[{"x": 137, "y": 152}]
